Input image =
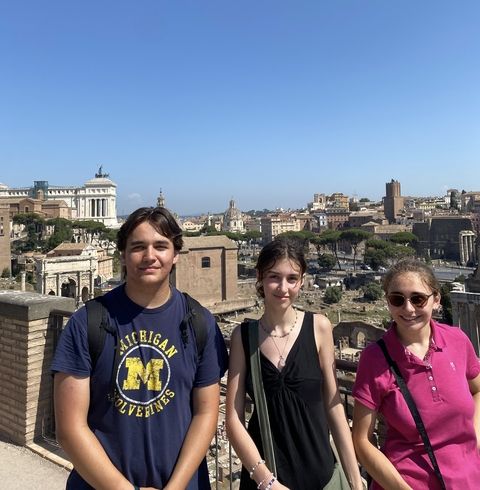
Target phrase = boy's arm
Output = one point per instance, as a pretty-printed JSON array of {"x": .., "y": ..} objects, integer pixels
[
  {"x": 199, "y": 435},
  {"x": 72, "y": 399}
]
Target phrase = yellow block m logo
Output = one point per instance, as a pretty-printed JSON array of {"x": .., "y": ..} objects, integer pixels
[{"x": 149, "y": 374}]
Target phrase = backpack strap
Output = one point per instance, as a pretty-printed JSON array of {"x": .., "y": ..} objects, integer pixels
[
  {"x": 98, "y": 325},
  {"x": 196, "y": 318}
]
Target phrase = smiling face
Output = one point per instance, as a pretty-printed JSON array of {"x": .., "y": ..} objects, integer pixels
[
  {"x": 281, "y": 283},
  {"x": 148, "y": 258},
  {"x": 411, "y": 319}
]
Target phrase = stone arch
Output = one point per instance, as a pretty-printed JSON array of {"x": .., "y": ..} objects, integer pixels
[
  {"x": 68, "y": 288},
  {"x": 51, "y": 293},
  {"x": 361, "y": 340}
]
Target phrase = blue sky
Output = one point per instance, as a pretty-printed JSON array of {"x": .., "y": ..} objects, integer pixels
[{"x": 265, "y": 102}]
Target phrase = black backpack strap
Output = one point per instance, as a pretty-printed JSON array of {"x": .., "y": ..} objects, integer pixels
[
  {"x": 196, "y": 318},
  {"x": 98, "y": 325},
  {"x": 97, "y": 321},
  {"x": 413, "y": 409}
]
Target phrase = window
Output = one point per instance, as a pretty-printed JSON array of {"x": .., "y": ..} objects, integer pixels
[{"x": 205, "y": 262}]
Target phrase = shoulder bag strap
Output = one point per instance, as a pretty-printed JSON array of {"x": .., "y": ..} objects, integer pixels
[
  {"x": 413, "y": 409},
  {"x": 259, "y": 392}
]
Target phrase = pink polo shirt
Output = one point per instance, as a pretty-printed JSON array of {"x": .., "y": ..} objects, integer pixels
[{"x": 441, "y": 393}]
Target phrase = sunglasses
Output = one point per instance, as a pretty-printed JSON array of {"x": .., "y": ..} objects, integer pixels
[{"x": 418, "y": 300}]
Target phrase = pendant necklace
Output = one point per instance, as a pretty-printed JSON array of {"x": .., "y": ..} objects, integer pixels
[{"x": 281, "y": 360}]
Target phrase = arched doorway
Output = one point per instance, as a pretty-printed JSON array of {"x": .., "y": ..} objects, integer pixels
[
  {"x": 69, "y": 289},
  {"x": 361, "y": 340},
  {"x": 85, "y": 295}
]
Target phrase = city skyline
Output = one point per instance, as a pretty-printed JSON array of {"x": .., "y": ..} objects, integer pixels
[{"x": 264, "y": 103}]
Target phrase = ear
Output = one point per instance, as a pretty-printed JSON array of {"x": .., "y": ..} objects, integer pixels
[
  {"x": 175, "y": 257},
  {"x": 122, "y": 258},
  {"x": 436, "y": 301}
]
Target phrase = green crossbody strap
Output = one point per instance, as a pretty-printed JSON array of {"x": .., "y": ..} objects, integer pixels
[{"x": 259, "y": 393}]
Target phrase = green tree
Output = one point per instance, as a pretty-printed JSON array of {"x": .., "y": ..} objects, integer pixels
[
  {"x": 404, "y": 238},
  {"x": 234, "y": 235},
  {"x": 354, "y": 237},
  {"x": 208, "y": 230},
  {"x": 333, "y": 294},
  {"x": 253, "y": 236},
  {"x": 381, "y": 253},
  {"x": 372, "y": 291},
  {"x": 109, "y": 235},
  {"x": 376, "y": 258},
  {"x": 34, "y": 226},
  {"x": 326, "y": 261},
  {"x": 329, "y": 239},
  {"x": 62, "y": 233}
]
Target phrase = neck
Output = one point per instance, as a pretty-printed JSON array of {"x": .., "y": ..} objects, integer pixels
[
  {"x": 147, "y": 297},
  {"x": 281, "y": 319},
  {"x": 420, "y": 337}
]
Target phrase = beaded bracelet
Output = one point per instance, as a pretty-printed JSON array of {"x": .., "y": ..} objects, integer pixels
[
  {"x": 270, "y": 483},
  {"x": 255, "y": 466},
  {"x": 260, "y": 485}
]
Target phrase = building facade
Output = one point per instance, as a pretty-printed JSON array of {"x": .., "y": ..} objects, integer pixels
[
  {"x": 393, "y": 202},
  {"x": 440, "y": 237},
  {"x": 275, "y": 224},
  {"x": 207, "y": 269},
  {"x": 96, "y": 200}
]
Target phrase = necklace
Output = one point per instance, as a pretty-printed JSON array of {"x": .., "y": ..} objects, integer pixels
[
  {"x": 286, "y": 334},
  {"x": 281, "y": 360}
]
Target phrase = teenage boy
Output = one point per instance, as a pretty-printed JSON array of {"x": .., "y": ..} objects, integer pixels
[{"x": 155, "y": 430}]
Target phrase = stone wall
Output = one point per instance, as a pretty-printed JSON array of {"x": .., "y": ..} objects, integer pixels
[
  {"x": 29, "y": 327},
  {"x": 466, "y": 314}
]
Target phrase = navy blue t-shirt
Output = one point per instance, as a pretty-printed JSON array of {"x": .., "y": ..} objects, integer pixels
[{"x": 143, "y": 430}]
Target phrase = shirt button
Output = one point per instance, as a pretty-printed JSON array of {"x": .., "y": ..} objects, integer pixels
[
  {"x": 434, "y": 388},
  {"x": 430, "y": 378}
]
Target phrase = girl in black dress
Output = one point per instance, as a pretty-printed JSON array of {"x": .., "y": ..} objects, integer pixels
[{"x": 298, "y": 371}]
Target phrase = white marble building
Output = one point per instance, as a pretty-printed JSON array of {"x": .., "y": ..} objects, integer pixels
[{"x": 95, "y": 200}]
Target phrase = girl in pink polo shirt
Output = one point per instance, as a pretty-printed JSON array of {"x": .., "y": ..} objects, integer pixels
[{"x": 442, "y": 372}]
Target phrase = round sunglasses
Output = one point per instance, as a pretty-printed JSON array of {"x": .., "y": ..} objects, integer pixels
[{"x": 419, "y": 300}]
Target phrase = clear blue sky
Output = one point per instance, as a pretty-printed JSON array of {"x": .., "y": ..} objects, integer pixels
[{"x": 263, "y": 101}]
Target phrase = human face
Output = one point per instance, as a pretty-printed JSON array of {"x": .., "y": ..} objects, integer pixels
[
  {"x": 282, "y": 282},
  {"x": 408, "y": 317},
  {"x": 148, "y": 257}
]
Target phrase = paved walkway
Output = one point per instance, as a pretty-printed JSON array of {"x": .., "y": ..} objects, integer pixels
[{"x": 22, "y": 469}]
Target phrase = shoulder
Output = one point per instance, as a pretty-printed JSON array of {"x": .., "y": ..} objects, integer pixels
[
  {"x": 449, "y": 333},
  {"x": 236, "y": 333},
  {"x": 372, "y": 352},
  {"x": 372, "y": 363},
  {"x": 321, "y": 324}
]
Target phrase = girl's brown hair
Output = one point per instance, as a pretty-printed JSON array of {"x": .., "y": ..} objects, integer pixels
[{"x": 414, "y": 266}]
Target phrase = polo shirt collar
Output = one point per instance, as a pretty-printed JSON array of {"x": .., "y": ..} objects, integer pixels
[{"x": 396, "y": 348}]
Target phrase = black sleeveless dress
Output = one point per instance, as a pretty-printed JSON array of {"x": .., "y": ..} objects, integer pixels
[{"x": 298, "y": 421}]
